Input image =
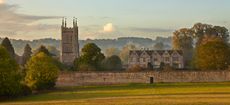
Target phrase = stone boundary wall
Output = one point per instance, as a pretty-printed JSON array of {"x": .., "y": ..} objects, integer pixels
[{"x": 107, "y": 78}]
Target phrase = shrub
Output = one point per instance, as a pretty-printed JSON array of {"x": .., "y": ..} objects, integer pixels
[
  {"x": 86, "y": 68},
  {"x": 167, "y": 67},
  {"x": 41, "y": 72},
  {"x": 135, "y": 68},
  {"x": 112, "y": 63}
]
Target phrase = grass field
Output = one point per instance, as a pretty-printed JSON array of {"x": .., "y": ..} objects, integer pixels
[{"x": 133, "y": 94}]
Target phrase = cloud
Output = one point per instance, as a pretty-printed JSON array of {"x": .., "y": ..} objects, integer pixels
[
  {"x": 108, "y": 28},
  {"x": 13, "y": 23}
]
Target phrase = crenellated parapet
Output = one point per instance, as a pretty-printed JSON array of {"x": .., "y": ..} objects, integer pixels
[{"x": 70, "y": 44}]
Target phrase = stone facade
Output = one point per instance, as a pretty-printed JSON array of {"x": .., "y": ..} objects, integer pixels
[
  {"x": 144, "y": 58},
  {"x": 81, "y": 79},
  {"x": 69, "y": 43}
]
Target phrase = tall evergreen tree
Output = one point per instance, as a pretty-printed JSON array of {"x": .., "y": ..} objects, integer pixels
[
  {"x": 27, "y": 54},
  {"x": 8, "y": 46},
  {"x": 9, "y": 75}
]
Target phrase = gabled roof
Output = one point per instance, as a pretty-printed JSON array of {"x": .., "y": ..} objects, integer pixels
[{"x": 150, "y": 52}]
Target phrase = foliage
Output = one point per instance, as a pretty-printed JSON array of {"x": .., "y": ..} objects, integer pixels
[
  {"x": 91, "y": 56},
  {"x": 41, "y": 72},
  {"x": 214, "y": 55},
  {"x": 42, "y": 49},
  {"x": 111, "y": 51},
  {"x": 183, "y": 39},
  {"x": 86, "y": 68},
  {"x": 9, "y": 47},
  {"x": 124, "y": 54},
  {"x": 53, "y": 50},
  {"x": 112, "y": 63},
  {"x": 9, "y": 75},
  {"x": 201, "y": 30},
  {"x": 27, "y": 54}
]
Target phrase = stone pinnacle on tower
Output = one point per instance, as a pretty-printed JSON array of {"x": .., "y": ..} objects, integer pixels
[
  {"x": 62, "y": 22},
  {"x": 65, "y": 22},
  {"x": 73, "y": 21}
]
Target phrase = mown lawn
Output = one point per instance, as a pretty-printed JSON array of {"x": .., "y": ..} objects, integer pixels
[{"x": 133, "y": 94}]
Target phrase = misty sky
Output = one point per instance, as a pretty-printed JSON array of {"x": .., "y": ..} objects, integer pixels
[{"x": 34, "y": 19}]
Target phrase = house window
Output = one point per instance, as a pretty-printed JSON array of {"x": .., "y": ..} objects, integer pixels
[
  {"x": 166, "y": 59},
  {"x": 175, "y": 58},
  {"x": 155, "y": 59},
  {"x": 134, "y": 59},
  {"x": 144, "y": 60}
]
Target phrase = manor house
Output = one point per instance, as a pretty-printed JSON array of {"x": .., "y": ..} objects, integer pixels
[{"x": 145, "y": 58}]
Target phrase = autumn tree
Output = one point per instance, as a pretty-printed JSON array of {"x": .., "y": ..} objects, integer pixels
[
  {"x": 41, "y": 72},
  {"x": 9, "y": 47},
  {"x": 183, "y": 40},
  {"x": 186, "y": 39},
  {"x": 124, "y": 54},
  {"x": 202, "y": 31},
  {"x": 213, "y": 55}
]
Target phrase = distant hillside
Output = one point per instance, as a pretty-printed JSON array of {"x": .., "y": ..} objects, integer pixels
[{"x": 102, "y": 43}]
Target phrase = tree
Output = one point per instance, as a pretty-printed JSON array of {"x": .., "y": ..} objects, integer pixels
[
  {"x": 112, "y": 63},
  {"x": 9, "y": 47},
  {"x": 213, "y": 55},
  {"x": 27, "y": 54},
  {"x": 41, "y": 72},
  {"x": 183, "y": 40},
  {"x": 111, "y": 51},
  {"x": 54, "y": 51},
  {"x": 9, "y": 75},
  {"x": 206, "y": 30},
  {"x": 42, "y": 49},
  {"x": 124, "y": 54},
  {"x": 91, "y": 56}
]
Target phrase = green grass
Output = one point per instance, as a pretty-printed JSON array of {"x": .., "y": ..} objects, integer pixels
[{"x": 133, "y": 94}]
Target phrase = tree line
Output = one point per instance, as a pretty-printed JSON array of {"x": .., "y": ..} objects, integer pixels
[
  {"x": 32, "y": 73},
  {"x": 205, "y": 47}
]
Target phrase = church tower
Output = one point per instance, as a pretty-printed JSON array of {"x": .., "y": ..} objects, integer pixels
[{"x": 69, "y": 42}]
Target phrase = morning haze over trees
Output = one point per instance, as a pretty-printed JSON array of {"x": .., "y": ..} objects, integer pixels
[{"x": 38, "y": 67}]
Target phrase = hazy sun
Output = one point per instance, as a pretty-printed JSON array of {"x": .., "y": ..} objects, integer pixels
[{"x": 2, "y": 1}]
